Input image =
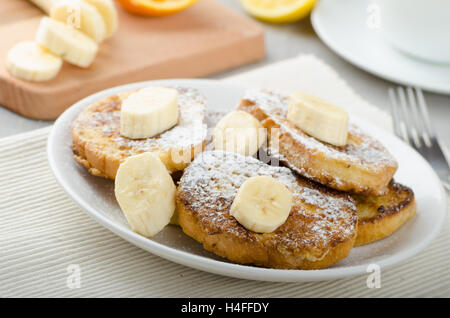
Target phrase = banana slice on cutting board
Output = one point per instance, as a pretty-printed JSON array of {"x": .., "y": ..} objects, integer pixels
[
  {"x": 80, "y": 15},
  {"x": 239, "y": 132},
  {"x": 72, "y": 45},
  {"x": 149, "y": 112},
  {"x": 262, "y": 204},
  {"x": 146, "y": 193},
  {"x": 319, "y": 119},
  {"x": 108, "y": 11},
  {"x": 105, "y": 8},
  {"x": 31, "y": 62}
]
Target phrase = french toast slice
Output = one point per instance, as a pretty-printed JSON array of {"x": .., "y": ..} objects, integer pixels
[
  {"x": 380, "y": 216},
  {"x": 320, "y": 230},
  {"x": 99, "y": 146},
  {"x": 362, "y": 166}
]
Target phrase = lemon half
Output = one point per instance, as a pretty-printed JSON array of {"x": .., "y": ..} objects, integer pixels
[{"x": 278, "y": 11}]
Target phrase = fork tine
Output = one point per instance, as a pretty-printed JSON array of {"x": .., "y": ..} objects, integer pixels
[
  {"x": 394, "y": 112},
  {"x": 417, "y": 128},
  {"x": 404, "y": 115},
  {"x": 408, "y": 116},
  {"x": 424, "y": 112}
]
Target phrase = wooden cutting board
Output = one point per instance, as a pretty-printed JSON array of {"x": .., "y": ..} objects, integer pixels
[{"x": 201, "y": 40}]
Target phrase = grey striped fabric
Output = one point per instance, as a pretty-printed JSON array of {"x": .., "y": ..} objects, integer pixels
[{"x": 43, "y": 233}]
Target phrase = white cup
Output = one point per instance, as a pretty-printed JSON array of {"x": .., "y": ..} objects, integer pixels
[{"x": 420, "y": 28}]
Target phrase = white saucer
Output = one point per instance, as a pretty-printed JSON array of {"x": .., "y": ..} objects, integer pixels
[
  {"x": 96, "y": 196},
  {"x": 342, "y": 25}
]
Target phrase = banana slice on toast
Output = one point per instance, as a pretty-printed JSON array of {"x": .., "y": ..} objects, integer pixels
[
  {"x": 262, "y": 204},
  {"x": 99, "y": 146},
  {"x": 239, "y": 132},
  {"x": 362, "y": 166},
  {"x": 319, "y": 231}
]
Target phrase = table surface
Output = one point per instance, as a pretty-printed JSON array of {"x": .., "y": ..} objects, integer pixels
[{"x": 285, "y": 41}]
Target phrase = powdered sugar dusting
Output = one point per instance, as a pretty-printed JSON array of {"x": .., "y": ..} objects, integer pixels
[
  {"x": 190, "y": 130},
  {"x": 361, "y": 149},
  {"x": 214, "y": 177},
  {"x": 274, "y": 153}
]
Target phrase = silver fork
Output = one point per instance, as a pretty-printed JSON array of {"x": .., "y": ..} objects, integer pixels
[{"x": 412, "y": 124}]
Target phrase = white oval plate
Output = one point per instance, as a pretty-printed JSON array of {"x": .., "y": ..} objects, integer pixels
[
  {"x": 342, "y": 25},
  {"x": 96, "y": 196}
]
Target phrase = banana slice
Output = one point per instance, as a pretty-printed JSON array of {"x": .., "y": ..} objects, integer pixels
[
  {"x": 262, "y": 204},
  {"x": 146, "y": 193},
  {"x": 80, "y": 15},
  {"x": 319, "y": 118},
  {"x": 108, "y": 11},
  {"x": 239, "y": 132},
  {"x": 74, "y": 47},
  {"x": 149, "y": 112},
  {"x": 31, "y": 62}
]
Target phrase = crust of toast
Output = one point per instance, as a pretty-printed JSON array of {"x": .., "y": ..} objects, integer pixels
[
  {"x": 99, "y": 147},
  {"x": 379, "y": 217},
  {"x": 320, "y": 230},
  {"x": 362, "y": 166}
]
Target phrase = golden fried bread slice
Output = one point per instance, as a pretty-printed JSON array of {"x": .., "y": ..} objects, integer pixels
[
  {"x": 362, "y": 166},
  {"x": 319, "y": 231},
  {"x": 99, "y": 146},
  {"x": 380, "y": 216}
]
